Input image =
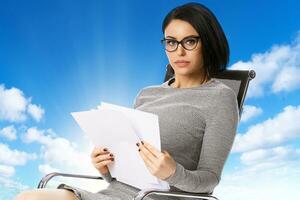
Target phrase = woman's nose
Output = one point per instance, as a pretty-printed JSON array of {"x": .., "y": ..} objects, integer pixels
[{"x": 180, "y": 50}]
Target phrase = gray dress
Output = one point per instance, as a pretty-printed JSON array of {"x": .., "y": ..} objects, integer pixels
[{"x": 197, "y": 127}]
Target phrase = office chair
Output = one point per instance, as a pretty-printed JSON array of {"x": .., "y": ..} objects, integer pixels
[{"x": 238, "y": 80}]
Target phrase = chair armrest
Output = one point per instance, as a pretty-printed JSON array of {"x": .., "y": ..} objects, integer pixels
[
  {"x": 43, "y": 182},
  {"x": 142, "y": 194}
]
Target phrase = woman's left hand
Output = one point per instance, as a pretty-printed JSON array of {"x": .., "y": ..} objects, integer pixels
[{"x": 160, "y": 164}]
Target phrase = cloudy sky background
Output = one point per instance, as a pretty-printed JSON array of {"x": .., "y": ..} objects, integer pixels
[{"x": 57, "y": 57}]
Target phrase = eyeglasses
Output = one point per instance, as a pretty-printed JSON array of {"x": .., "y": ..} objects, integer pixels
[{"x": 188, "y": 43}]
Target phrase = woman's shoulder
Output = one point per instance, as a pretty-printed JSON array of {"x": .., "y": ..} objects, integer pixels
[
  {"x": 223, "y": 88},
  {"x": 145, "y": 91},
  {"x": 223, "y": 92},
  {"x": 149, "y": 89}
]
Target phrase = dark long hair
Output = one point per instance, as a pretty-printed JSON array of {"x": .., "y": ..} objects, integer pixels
[{"x": 215, "y": 49}]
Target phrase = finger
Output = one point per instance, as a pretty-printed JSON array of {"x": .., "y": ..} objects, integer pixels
[
  {"x": 165, "y": 152},
  {"x": 101, "y": 158},
  {"x": 149, "y": 155},
  {"x": 99, "y": 151},
  {"x": 152, "y": 149},
  {"x": 104, "y": 163},
  {"x": 148, "y": 162}
]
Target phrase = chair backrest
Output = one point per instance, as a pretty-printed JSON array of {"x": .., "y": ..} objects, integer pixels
[{"x": 238, "y": 80}]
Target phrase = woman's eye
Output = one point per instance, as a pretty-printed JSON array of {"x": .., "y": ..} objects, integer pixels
[
  {"x": 171, "y": 42},
  {"x": 190, "y": 42}
]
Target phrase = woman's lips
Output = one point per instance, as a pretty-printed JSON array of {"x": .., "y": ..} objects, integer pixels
[{"x": 182, "y": 63}]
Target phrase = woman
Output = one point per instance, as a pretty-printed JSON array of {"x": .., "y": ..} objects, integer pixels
[{"x": 198, "y": 115}]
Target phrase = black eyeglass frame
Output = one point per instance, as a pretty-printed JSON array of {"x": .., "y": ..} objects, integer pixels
[{"x": 180, "y": 42}]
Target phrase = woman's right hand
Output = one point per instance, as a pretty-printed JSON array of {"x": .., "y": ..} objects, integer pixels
[{"x": 100, "y": 158}]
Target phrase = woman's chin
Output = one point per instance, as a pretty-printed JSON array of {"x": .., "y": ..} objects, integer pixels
[{"x": 183, "y": 72}]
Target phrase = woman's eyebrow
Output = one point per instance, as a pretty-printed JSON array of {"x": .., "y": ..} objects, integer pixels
[
  {"x": 170, "y": 37},
  {"x": 184, "y": 37}
]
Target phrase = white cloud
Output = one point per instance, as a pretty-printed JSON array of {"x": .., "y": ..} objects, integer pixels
[
  {"x": 14, "y": 157},
  {"x": 250, "y": 112},
  {"x": 10, "y": 188},
  {"x": 276, "y": 182},
  {"x": 267, "y": 170},
  {"x": 34, "y": 135},
  {"x": 8, "y": 183},
  {"x": 6, "y": 170},
  {"x": 46, "y": 169},
  {"x": 272, "y": 155},
  {"x": 287, "y": 80},
  {"x": 277, "y": 69},
  {"x": 60, "y": 155},
  {"x": 12, "y": 104},
  {"x": 271, "y": 132},
  {"x": 8, "y": 159},
  {"x": 35, "y": 111},
  {"x": 9, "y": 132},
  {"x": 58, "y": 152},
  {"x": 268, "y": 174}
]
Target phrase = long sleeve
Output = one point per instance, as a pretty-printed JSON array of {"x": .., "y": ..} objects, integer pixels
[
  {"x": 221, "y": 124},
  {"x": 107, "y": 177}
]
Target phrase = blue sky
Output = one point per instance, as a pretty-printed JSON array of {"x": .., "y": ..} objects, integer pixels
[{"x": 62, "y": 56}]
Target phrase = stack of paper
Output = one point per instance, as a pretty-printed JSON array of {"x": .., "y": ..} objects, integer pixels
[{"x": 119, "y": 129}]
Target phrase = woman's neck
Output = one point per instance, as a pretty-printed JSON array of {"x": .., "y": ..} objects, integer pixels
[{"x": 189, "y": 81}]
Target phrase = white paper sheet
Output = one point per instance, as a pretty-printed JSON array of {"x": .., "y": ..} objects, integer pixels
[
  {"x": 145, "y": 124},
  {"x": 119, "y": 129}
]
